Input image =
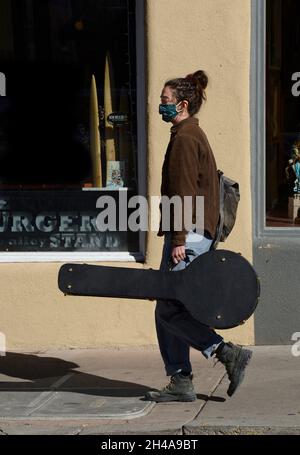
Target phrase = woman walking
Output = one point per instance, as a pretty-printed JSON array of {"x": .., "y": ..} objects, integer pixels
[{"x": 189, "y": 169}]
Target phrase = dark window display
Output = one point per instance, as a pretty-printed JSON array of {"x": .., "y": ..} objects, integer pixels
[
  {"x": 68, "y": 126},
  {"x": 283, "y": 114}
]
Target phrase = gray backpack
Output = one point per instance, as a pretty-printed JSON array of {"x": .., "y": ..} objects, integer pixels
[{"x": 229, "y": 199}]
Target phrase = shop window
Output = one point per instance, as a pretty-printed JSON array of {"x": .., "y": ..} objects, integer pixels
[
  {"x": 68, "y": 122},
  {"x": 283, "y": 114}
]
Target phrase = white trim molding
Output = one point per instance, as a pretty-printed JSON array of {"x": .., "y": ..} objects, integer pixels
[{"x": 73, "y": 257}]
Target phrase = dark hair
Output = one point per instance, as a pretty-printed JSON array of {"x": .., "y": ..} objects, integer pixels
[{"x": 190, "y": 88}]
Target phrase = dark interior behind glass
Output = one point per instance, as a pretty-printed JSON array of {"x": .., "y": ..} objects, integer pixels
[{"x": 49, "y": 50}]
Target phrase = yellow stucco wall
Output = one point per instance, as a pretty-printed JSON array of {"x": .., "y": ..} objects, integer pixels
[
  {"x": 213, "y": 35},
  {"x": 34, "y": 314}
]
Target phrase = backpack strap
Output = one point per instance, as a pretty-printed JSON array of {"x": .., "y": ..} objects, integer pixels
[{"x": 219, "y": 227}]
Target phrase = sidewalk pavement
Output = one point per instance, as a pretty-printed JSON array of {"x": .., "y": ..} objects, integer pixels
[{"x": 100, "y": 391}]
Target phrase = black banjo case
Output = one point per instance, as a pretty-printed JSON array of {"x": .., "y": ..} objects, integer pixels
[{"x": 219, "y": 288}]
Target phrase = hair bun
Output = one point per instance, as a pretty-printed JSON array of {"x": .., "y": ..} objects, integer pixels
[
  {"x": 201, "y": 78},
  {"x": 190, "y": 77}
]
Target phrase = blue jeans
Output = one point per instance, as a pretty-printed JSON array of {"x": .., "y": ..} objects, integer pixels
[{"x": 176, "y": 329}]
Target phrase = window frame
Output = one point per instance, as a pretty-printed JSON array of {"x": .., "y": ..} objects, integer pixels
[
  {"x": 258, "y": 135},
  {"x": 102, "y": 256}
]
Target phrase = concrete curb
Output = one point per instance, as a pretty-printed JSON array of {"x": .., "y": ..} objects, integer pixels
[{"x": 239, "y": 430}]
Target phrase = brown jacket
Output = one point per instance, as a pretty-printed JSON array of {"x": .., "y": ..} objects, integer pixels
[{"x": 189, "y": 169}]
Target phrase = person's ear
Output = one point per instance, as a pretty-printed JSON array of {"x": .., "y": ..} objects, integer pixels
[{"x": 185, "y": 104}]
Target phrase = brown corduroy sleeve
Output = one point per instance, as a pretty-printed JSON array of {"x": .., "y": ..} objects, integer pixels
[{"x": 183, "y": 171}]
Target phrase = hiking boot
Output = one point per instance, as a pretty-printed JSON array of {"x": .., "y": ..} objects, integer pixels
[
  {"x": 180, "y": 388},
  {"x": 235, "y": 359}
]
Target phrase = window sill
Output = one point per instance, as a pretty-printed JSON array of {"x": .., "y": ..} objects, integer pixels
[{"x": 73, "y": 257}]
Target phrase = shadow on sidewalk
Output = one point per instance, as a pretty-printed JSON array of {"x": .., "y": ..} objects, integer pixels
[{"x": 50, "y": 373}]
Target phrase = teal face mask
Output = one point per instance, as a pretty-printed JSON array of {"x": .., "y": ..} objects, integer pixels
[{"x": 168, "y": 111}]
